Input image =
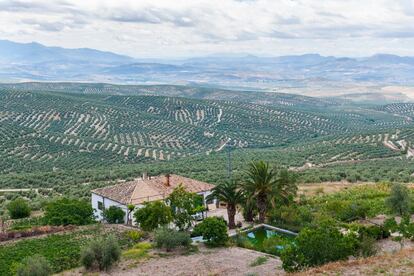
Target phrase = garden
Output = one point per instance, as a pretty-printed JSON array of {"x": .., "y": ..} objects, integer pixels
[{"x": 303, "y": 231}]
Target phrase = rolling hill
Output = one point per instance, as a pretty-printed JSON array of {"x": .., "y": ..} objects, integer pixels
[{"x": 70, "y": 128}]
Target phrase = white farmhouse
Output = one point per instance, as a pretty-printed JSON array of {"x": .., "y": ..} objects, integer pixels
[{"x": 145, "y": 189}]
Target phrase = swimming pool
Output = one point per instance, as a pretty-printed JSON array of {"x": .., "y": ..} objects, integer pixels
[{"x": 266, "y": 239}]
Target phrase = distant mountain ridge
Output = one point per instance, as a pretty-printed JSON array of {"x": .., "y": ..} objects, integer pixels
[
  {"x": 26, "y": 53},
  {"x": 36, "y": 62}
]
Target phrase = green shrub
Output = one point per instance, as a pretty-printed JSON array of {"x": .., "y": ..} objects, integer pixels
[
  {"x": 367, "y": 246},
  {"x": 101, "y": 254},
  {"x": 399, "y": 201},
  {"x": 114, "y": 214},
  {"x": 405, "y": 227},
  {"x": 317, "y": 246},
  {"x": 242, "y": 241},
  {"x": 139, "y": 251},
  {"x": 290, "y": 217},
  {"x": 153, "y": 215},
  {"x": 111, "y": 253},
  {"x": 88, "y": 257},
  {"x": 69, "y": 211},
  {"x": 18, "y": 208},
  {"x": 184, "y": 205},
  {"x": 34, "y": 266},
  {"x": 213, "y": 230},
  {"x": 273, "y": 245},
  {"x": 374, "y": 231},
  {"x": 390, "y": 225},
  {"x": 345, "y": 210},
  {"x": 170, "y": 239},
  {"x": 135, "y": 235}
]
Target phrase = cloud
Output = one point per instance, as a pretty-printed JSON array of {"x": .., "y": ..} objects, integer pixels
[
  {"x": 407, "y": 7},
  {"x": 291, "y": 20},
  {"x": 164, "y": 27},
  {"x": 407, "y": 33},
  {"x": 35, "y": 6},
  {"x": 151, "y": 16},
  {"x": 44, "y": 25},
  {"x": 331, "y": 14}
]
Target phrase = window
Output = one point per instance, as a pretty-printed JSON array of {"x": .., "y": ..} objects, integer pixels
[{"x": 100, "y": 205}]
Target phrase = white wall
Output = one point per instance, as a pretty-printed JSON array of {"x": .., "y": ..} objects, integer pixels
[
  {"x": 106, "y": 204},
  {"x": 205, "y": 194}
]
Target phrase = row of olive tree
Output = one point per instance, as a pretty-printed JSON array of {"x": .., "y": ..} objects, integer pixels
[{"x": 262, "y": 189}]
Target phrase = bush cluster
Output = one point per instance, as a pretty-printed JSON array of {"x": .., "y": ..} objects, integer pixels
[
  {"x": 292, "y": 217},
  {"x": 134, "y": 235},
  {"x": 101, "y": 254},
  {"x": 18, "y": 208},
  {"x": 153, "y": 215},
  {"x": 69, "y": 211},
  {"x": 170, "y": 239},
  {"x": 376, "y": 232},
  {"x": 213, "y": 230},
  {"x": 35, "y": 265},
  {"x": 347, "y": 210},
  {"x": 316, "y": 246},
  {"x": 114, "y": 214}
]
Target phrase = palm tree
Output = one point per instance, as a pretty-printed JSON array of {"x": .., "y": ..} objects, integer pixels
[
  {"x": 286, "y": 187},
  {"x": 230, "y": 193},
  {"x": 260, "y": 186},
  {"x": 249, "y": 208}
]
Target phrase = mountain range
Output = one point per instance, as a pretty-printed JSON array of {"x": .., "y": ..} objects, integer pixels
[{"x": 36, "y": 62}]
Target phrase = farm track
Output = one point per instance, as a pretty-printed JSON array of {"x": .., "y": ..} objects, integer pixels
[{"x": 302, "y": 168}]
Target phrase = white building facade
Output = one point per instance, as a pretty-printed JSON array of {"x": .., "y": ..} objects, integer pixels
[{"x": 143, "y": 190}]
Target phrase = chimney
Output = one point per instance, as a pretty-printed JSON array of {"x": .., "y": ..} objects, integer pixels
[
  {"x": 144, "y": 176},
  {"x": 167, "y": 180}
]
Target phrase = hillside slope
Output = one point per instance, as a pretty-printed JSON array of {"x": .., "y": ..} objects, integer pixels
[{"x": 45, "y": 131}]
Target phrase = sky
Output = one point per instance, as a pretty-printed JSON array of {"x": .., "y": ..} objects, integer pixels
[{"x": 176, "y": 29}]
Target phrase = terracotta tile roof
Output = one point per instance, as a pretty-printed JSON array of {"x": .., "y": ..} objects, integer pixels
[
  {"x": 121, "y": 192},
  {"x": 140, "y": 191}
]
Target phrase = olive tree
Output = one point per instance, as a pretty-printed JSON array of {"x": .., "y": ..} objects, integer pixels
[{"x": 399, "y": 200}]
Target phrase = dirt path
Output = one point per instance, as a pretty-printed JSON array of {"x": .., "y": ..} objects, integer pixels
[
  {"x": 224, "y": 261},
  {"x": 312, "y": 189},
  {"x": 327, "y": 164}
]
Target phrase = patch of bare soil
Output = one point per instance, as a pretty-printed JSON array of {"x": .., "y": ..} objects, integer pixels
[
  {"x": 312, "y": 189},
  {"x": 223, "y": 261}
]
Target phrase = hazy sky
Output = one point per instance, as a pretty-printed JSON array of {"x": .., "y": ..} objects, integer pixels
[{"x": 175, "y": 28}]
